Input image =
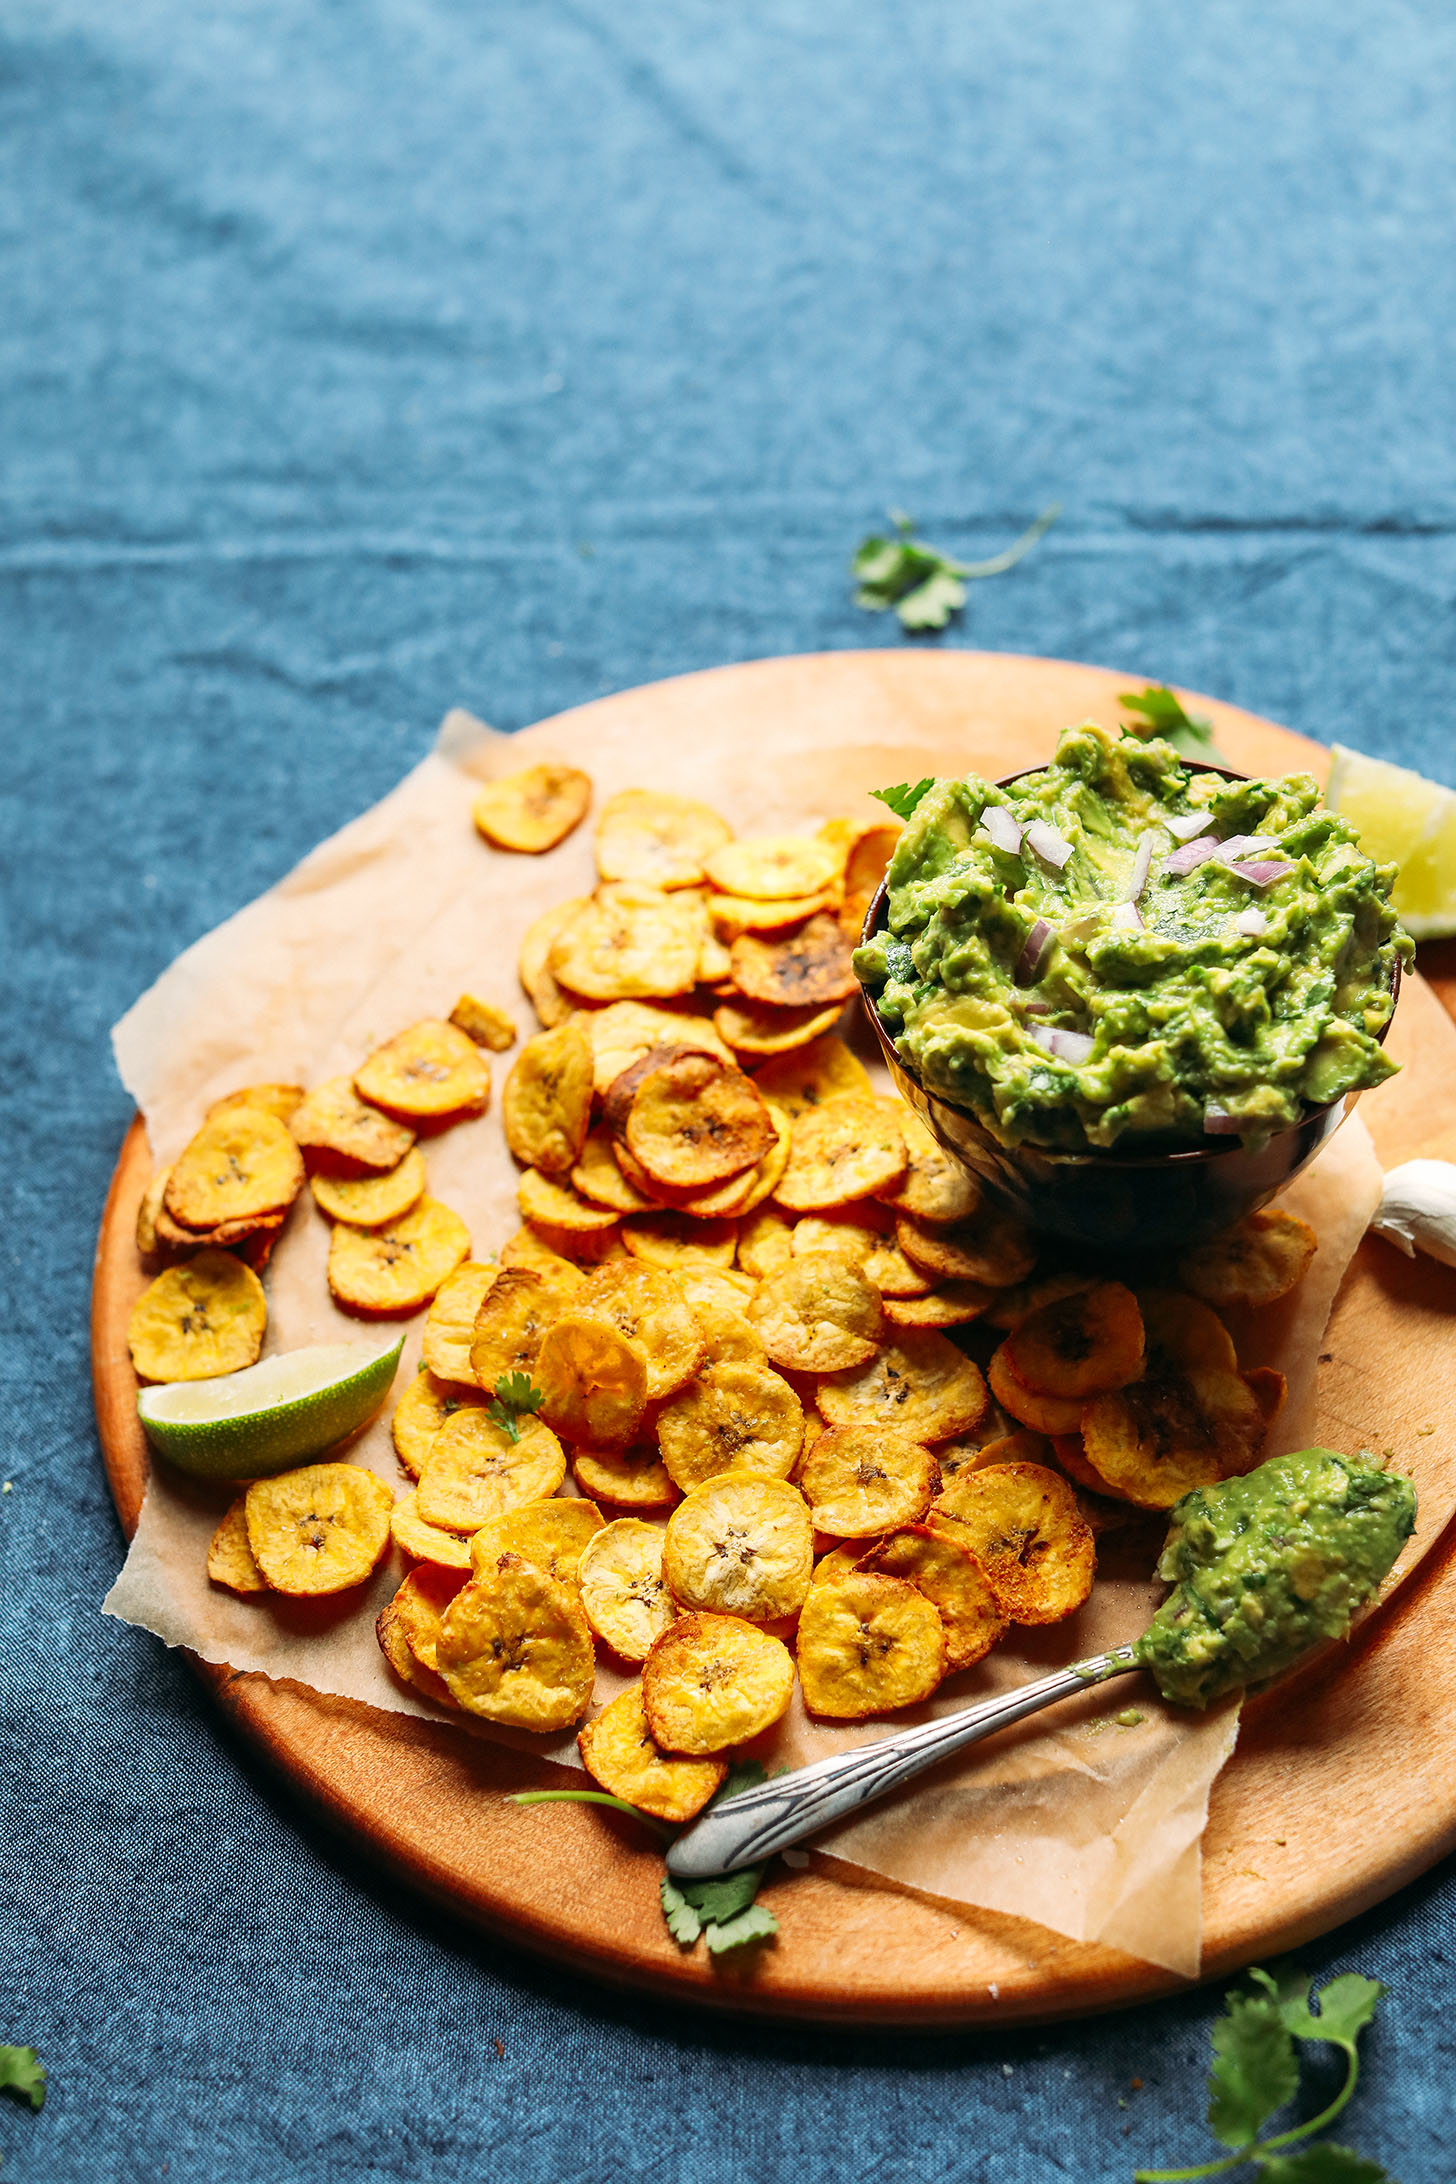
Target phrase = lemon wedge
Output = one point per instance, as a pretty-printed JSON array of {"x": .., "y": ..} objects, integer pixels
[
  {"x": 1403, "y": 819},
  {"x": 269, "y": 1416}
]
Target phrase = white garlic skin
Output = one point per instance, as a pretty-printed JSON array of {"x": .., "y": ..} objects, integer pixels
[{"x": 1418, "y": 1209}]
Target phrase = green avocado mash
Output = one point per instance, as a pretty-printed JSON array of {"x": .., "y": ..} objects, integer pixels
[
  {"x": 1264, "y": 1566},
  {"x": 1118, "y": 945}
]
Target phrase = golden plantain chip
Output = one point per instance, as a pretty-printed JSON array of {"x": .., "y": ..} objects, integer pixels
[
  {"x": 418, "y": 1613},
  {"x": 623, "y": 1589},
  {"x": 198, "y": 1321},
  {"x": 808, "y": 968},
  {"x": 392, "y": 1636},
  {"x": 1082, "y": 1345},
  {"x": 711, "y": 1681},
  {"x": 534, "y": 962},
  {"x": 763, "y": 1180},
  {"x": 420, "y": 1413},
  {"x": 632, "y": 1478},
  {"x": 515, "y": 1647},
  {"x": 321, "y": 1529},
  {"x": 396, "y": 1269},
  {"x": 1020, "y": 1447},
  {"x": 1023, "y": 1525},
  {"x": 854, "y": 1234},
  {"x": 593, "y": 1380},
  {"x": 475, "y": 1470},
  {"x": 148, "y": 1242},
  {"x": 534, "y": 809},
  {"x": 934, "y": 1187},
  {"x": 919, "y": 1385},
  {"x": 695, "y": 1121},
  {"x": 629, "y": 943},
  {"x": 230, "y": 1558},
  {"x": 554, "y": 1206},
  {"x": 716, "y": 1201},
  {"x": 625, "y": 1031},
  {"x": 242, "y": 1166},
  {"x": 729, "y": 1337},
  {"x": 841, "y": 1152},
  {"x": 1269, "y": 1388},
  {"x": 863, "y": 848},
  {"x": 547, "y": 1102},
  {"x": 740, "y": 1547},
  {"x": 819, "y": 1315},
  {"x": 647, "y": 835},
  {"x": 715, "y": 964},
  {"x": 424, "y": 1542},
  {"x": 728, "y": 1288},
  {"x": 553, "y": 1534},
  {"x": 450, "y": 1321},
  {"x": 772, "y": 866},
  {"x": 648, "y": 1309},
  {"x": 1008, "y": 1307},
  {"x": 432, "y": 1069},
  {"x": 765, "y": 1244},
  {"x": 1265, "y": 1256},
  {"x": 483, "y": 1022},
  {"x": 226, "y": 1236},
  {"x": 1155, "y": 1441},
  {"x": 1103, "y": 1514},
  {"x": 282, "y": 1100},
  {"x": 528, "y": 1248},
  {"x": 581, "y": 1248},
  {"x": 952, "y": 1579},
  {"x": 1043, "y": 1413},
  {"x": 868, "y": 1644},
  {"x": 954, "y": 1304},
  {"x": 598, "y": 1175},
  {"x": 338, "y": 1128},
  {"x": 861, "y": 1480},
  {"x": 372, "y": 1201},
  {"x": 990, "y": 1248},
  {"x": 738, "y": 1420},
  {"x": 757, "y": 1029},
  {"x": 734, "y": 915},
  {"x": 813, "y": 1074},
  {"x": 617, "y": 1751},
  {"x": 673, "y": 1240},
  {"x": 1181, "y": 1332},
  {"x": 836, "y": 1562},
  {"x": 896, "y": 1276}
]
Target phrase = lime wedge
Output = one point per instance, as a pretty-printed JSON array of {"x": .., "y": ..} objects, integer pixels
[
  {"x": 1402, "y": 819},
  {"x": 268, "y": 1417}
]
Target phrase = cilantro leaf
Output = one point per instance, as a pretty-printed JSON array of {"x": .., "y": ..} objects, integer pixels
[
  {"x": 515, "y": 1398},
  {"x": 1346, "y": 2007},
  {"x": 23, "y": 2073},
  {"x": 1163, "y": 715},
  {"x": 722, "y": 1898},
  {"x": 1322, "y": 2165},
  {"x": 683, "y": 1922},
  {"x": 903, "y": 798},
  {"x": 1254, "y": 2070},
  {"x": 755, "y": 1923},
  {"x": 925, "y": 586},
  {"x": 931, "y": 604}
]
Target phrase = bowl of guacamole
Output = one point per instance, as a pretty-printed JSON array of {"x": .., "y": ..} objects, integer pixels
[{"x": 1134, "y": 992}]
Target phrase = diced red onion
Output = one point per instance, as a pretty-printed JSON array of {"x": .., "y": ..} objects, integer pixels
[
  {"x": 1004, "y": 831},
  {"x": 1186, "y": 825},
  {"x": 1191, "y": 855},
  {"x": 1246, "y": 845},
  {"x": 1068, "y": 1046},
  {"x": 1218, "y": 1122},
  {"x": 1251, "y": 922},
  {"x": 1141, "y": 866},
  {"x": 1036, "y": 1008},
  {"x": 1263, "y": 872},
  {"x": 1033, "y": 951},
  {"x": 1127, "y": 918},
  {"x": 1048, "y": 844}
]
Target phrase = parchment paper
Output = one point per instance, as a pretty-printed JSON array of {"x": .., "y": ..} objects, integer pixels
[{"x": 1090, "y": 1827}]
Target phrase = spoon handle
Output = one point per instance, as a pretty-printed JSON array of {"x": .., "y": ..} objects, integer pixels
[{"x": 745, "y": 1829}]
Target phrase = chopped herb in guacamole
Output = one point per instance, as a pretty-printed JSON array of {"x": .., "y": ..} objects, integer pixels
[{"x": 1118, "y": 945}]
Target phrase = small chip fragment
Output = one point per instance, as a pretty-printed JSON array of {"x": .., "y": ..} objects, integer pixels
[
  {"x": 394, "y": 1270},
  {"x": 553, "y": 1534},
  {"x": 868, "y": 1644},
  {"x": 630, "y": 1478},
  {"x": 242, "y": 1166},
  {"x": 919, "y": 1384},
  {"x": 741, "y": 1420},
  {"x": 424, "y": 1542},
  {"x": 372, "y": 1201},
  {"x": 534, "y": 809},
  {"x": 1082, "y": 1345},
  {"x": 420, "y": 1413},
  {"x": 617, "y": 1751},
  {"x": 515, "y": 1647},
  {"x": 712, "y": 1681},
  {"x": 592, "y": 1379},
  {"x": 623, "y": 1589},
  {"x": 740, "y": 1547},
  {"x": 475, "y": 1470},
  {"x": 765, "y": 1244},
  {"x": 934, "y": 1187},
  {"x": 1154, "y": 1441},
  {"x": 819, "y": 1315},
  {"x": 338, "y": 1128},
  {"x": 662, "y": 840},
  {"x": 840, "y": 1152},
  {"x": 432, "y": 1069},
  {"x": 772, "y": 866},
  {"x": 534, "y": 962},
  {"x": 860, "y": 1481},
  {"x": 758, "y": 1029},
  {"x": 648, "y": 1309},
  {"x": 810, "y": 1075},
  {"x": 1265, "y": 1256},
  {"x": 628, "y": 943},
  {"x": 321, "y": 1529},
  {"x": 483, "y": 1022},
  {"x": 808, "y": 968},
  {"x": 695, "y": 1121},
  {"x": 229, "y": 1557},
  {"x": 198, "y": 1321},
  {"x": 1023, "y": 1525},
  {"x": 990, "y": 1248},
  {"x": 672, "y": 1240},
  {"x": 546, "y": 1106}
]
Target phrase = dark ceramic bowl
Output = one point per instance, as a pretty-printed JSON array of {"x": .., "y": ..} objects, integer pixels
[{"x": 1145, "y": 1201}]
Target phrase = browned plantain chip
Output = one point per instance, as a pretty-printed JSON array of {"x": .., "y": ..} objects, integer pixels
[
  {"x": 864, "y": 848},
  {"x": 592, "y": 1379},
  {"x": 742, "y": 1420},
  {"x": 1182, "y": 1332},
  {"x": 371, "y": 1201},
  {"x": 772, "y": 865},
  {"x": 514, "y": 1316},
  {"x": 483, "y": 1022},
  {"x": 1082, "y": 1345},
  {"x": 694, "y": 1121},
  {"x": 547, "y": 1102},
  {"x": 810, "y": 1075},
  {"x": 148, "y": 1242},
  {"x": 920, "y": 1385},
  {"x": 420, "y": 1413},
  {"x": 1043, "y": 1413},
  {"x": 534, "y": 963},
  {"x": 423, "y": 1542},
  {"x": 934, "y": 1187},
  {"x": 450, "y": 1321},
  {"x": 415, "y": 1618},
  {"x": 628, "y": 943},
  {"x": 953, "y": 1579},
  {"x": 475, "y": 1470},
  {"x": 396, "y": 1269},
  {"x": 625, "y": 1031},
  {"x": 809, "y": 968},
  {"x": 340, "y": 1130},
  {"x": 241, "y": 1167},
  {"x": 729, "y": 1336},
  {"x": 553, "y": 1534},
  {"x": 1263, "y": 1258},
  {"x": 757, "y": 1029},
  {"x": 623, "y": 1589},
  {"x": 712, "y": 1681},
  {"x": 618, "y": 1752},
  {"x": 1155, "y": 1441},
  {"x": 282, "y": 1100},
  {"x": 432, "y": 1069},
  {"x": 198, "y": 1321},
  {"x": 321, "y": 1529},
  {"x": 173, "y": 1239},
  {"x": 1008, "y": 1307},
  {"x": 647, "y": 1308},
  {"x": 861, "y": 1480},
  {"x": 840, "y": 1152},
  {"x": 662, "y": 840},
  {"x": 1022, "y": 1523},
  {"x": 868, "y": 1644},
  {"x": 989, "y": 1248},
  {"x": 954, "y": 1304},
  {"x": 534, "y": 809},
  {"x": 818, "y": 1316},
  {"x": 515, "y": 1647},
  {"x": 392, "y": 1630},
  {"x": 740, "y": 1546},
  {"x": 631, "y": 1478},
  {"x": 230, "y": 1558}
]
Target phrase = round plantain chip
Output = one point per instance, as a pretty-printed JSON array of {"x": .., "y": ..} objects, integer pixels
[
  {"x": 843, "y": 1151},
  {"x": 409, "y": 1629},
  {"x": 432, "y": 1069},
  {"x": 390, "y": 1633},
  {"x": 1082, "y": 1345},
  {"x": 629, "y": 943},
  {"x": 1102, "y": 1512},
  {"x": 812, "y": 1075},
  {"x": 339, "y": 1129},
  {"x": 1155, "y": 1441},
  {"x": 897, "y": 1277},
  {"x": 919, "y": 1385},
  {"x": 529, "y": 1249},
  {"x": 758, "y": 1029},
  {"x": 695, "y": 1121},
  {"x": 617, "y": 1751},
  {"x": 534, "y": 809},
  {"x": 1023, "y": 1525},
  {"x": 734, "y": 915},
  {"x": 1043, "y": 1413},
  {"x": 198, "y": 1321},
  {"x": 860, "y": 1481},
  {"x": 990, "y": 1248},
  {"x": 546, "y": 1106},
  {"x": 809, "y": 968},
  {"x": 1265, "y": 1256},
  {"x": 318, "y": 1530},
  {"x": 854, "y": 1233},
  {"x": 740, "y": 1547},
  {"x": 592, "y": 1379},
  {"x": 631, "y": 1478},
  {"x": 421, "y": 1411},
  {"x": 260, "y": 1230},
  {"x": 623, "y": 1589},
  {"x": 282, "y": 1100},
  {"x": 230, "y": 1558},
  {"x": 625, "y": 1031},
  {"x": 729, "y": 1338},
  {"x": 515, "y": 1647},
  {"x": 864, "y": 848},
  {"x": 483, "y": 1022},
  {"x": 534, "y": 962},
  {"x": 553, "y": 1534},
  {"x": 953, "y": 1580},
  {"x": 662, "y": 840},
  {"x": 673, "y": 1240},
  {"x": 394, "y": 1270},
  {"x": 868, "y": 1644},
  {"x": 598, "y": 1176},
  {"x": 819, "y": 1315},
  {"x": 934, "y": 1187},
  {"x": 712, "y": 1681},
  {"x": 423, "y": 1542},
  {"x": 739, "y": 1420},
  {"x": 765, "y": 1244},
  {"x": 242, "y": 1166},
  {"x": 450, "y": 1321},
  {"x": 772, "y": 866},
  {"x": 954, "y": 1304},
  {"x": 372, "y": 1201},
  {"x": 475, "y": 1470},
  {"x": 648, "y": 1309},
  {"x": 1181, "y": 1333},
  {"x": 552, "y": 1206}
]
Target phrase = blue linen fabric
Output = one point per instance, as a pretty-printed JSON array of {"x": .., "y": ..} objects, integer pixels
[{"x": 358, "y": 360}]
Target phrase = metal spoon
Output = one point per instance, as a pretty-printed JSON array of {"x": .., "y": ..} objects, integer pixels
[{"x": 750, "y": 1827}]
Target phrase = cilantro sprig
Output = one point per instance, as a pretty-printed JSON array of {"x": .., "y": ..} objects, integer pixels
[
  {"x": 23, "y": 2073},
  {"x": 1255, "y": 2070},
  {"x": 1162, "y": 713},
  {"x": 515, "y": 1399},
  {"x": 923, "y": 585},
  {"x": 904, "y": 796}
]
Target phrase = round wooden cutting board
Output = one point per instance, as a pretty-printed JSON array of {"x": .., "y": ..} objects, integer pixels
[{"x": 1343, "y": 1786}]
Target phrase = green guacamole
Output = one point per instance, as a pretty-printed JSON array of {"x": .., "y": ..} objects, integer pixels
[
  {"x": 1265, "y": 1566},
  {"x": 1115, "y": 946}
]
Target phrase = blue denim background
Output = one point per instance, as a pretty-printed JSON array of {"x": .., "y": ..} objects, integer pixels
[{"x": 360, "y": 359}]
